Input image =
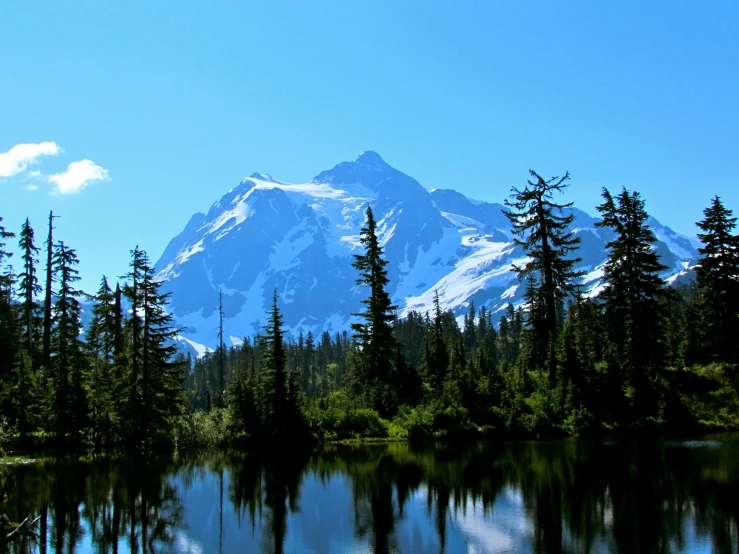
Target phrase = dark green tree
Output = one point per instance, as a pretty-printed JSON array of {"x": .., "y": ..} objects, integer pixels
[
  {"x": 281, "y": 416},
  {"x": 24, "y": 395},
  {"x": 7, "y": 323},
  {"x": 718, "y": 278},
  {"x": 28, "y": 288},
  {"x": 68, "y": 361},
  {"x": 100, "y": 348},
  {"x": 374, "y": 336},
  {"x": 541, "y": 229},
  {"x": 151, "y": 384},
  {"x": 439, "y": 360},
  {"x": 632, "y": 294},
  {"x": 244, "y": 404}
]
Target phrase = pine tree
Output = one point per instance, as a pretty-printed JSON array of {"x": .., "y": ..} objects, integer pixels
[
  {"x": 631, "y": 295},
  {"x": 281, "y": 416},
  {"x": 375, "y": 335},
  {"x": 439, "y": 362},
  {"x": 68, "y": 363},
  {"x": 152, "y": 383},
  {"x": 244, "y": 405},
  {"x": 718, "y": 278},
  {"x": 23, "y": 395},
  {"x": 28, "y": 289},
  {"x": 7, "y": 323},
  {"x": 100, "y": 345},
  {"x": 541, "y": 229}
]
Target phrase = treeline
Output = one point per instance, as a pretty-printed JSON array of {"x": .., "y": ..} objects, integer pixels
[
  {"x": 118, "y": 382},
  {"x": 641, "y": 353}
]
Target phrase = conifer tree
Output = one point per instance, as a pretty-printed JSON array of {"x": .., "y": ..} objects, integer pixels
[
  {"x": 7, "y": 323},
  {"x": 374, "y": 335},
  {"x": 439, "y": 361},
  {"x": 100, "y": 347},
  {"x": 718, "y": 278},
  {"x": 540, "y": 227},
  {"x": 152, "y": 383},
  {"x": 23, "y": 395},
  {"x": 281, "y": 415},
  {"x": 68, "y": 364},
  {"x": 243, "y": 403},
  {"x": 631, "y": 295},
  {"x": 28, "y": 289}
]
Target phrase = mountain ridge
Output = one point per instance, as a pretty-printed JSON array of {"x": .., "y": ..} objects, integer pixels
[{"x": 298, "y": 239}]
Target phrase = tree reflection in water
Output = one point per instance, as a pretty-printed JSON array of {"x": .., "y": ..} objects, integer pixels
[{"x": 576, "y": 495}]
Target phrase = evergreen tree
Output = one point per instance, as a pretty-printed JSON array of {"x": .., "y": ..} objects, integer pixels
[
  {"x": 100, "y": 347},
  {"x": 68, "y": 364},
  {"x": 375, "y": 335},
  {"x": 24, "y": 396},
  {"x": 718, "y": 278},
  {"x": 28, "y": 289},
  {"x": 631, "y": 295},
  {"x": 439, "y": 361},
  {"x": 540, "y": 227},
  {"x": 152, "y": 383},
  {"x": 244, "y": 405},
  {"x": 7, "y": 323},
  {"x": 281, "y": 416}
]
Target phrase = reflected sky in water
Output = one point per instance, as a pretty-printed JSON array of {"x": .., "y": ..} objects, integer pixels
[{"x": 557, "y": 496}]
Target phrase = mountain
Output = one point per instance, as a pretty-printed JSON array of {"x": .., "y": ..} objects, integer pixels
[{"x": 298, "y": 239}]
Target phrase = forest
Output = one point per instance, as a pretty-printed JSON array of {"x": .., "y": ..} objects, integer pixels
[{"x": 641, "y": 355}]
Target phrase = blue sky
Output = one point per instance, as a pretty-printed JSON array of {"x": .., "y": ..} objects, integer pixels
[{"x": 161, "y": 107}]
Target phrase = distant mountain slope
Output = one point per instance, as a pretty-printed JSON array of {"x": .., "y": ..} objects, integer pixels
[{"x": 298, "y": 239}]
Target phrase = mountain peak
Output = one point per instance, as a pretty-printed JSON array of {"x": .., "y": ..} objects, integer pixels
[
  {"x": 371, "y": 158},
  {"x": 263, "y": 177}
]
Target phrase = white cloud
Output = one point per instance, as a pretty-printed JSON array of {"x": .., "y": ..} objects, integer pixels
[
  {"x": 34, "y": 173},
  {"x": 77, "y": 176},
  {"x": 16, "y": 159},
  {"x": 32, "y": 187}
]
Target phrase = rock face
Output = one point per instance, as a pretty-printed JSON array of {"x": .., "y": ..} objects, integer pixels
[{"x": 298, "y": 239}]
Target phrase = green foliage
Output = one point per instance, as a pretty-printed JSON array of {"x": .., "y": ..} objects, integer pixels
[
  {"x": 202, "y": 430},
  {"x": 638, "y": 356},
  {"x": 374, "y": 368}
]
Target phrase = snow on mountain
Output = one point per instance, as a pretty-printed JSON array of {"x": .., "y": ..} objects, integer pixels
[{"x": 298, "y": 240}]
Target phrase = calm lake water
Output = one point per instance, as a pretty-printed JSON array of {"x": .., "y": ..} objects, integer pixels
[{"x": 557, "y": 496}]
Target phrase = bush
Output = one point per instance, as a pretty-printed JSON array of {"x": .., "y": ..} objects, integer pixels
[{"x": 202, "y": 430}]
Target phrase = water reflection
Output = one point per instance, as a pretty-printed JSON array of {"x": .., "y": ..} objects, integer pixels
[{"x": 558, "y": 496}]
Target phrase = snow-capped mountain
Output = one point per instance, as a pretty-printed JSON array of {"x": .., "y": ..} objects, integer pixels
[{"x": 298, "y": 239}]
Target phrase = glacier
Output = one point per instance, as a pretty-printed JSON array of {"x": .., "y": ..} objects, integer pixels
[{"x": 297, "y": 240}]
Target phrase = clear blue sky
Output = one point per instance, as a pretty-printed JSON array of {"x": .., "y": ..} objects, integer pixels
[{"x": 176, "y": 101}]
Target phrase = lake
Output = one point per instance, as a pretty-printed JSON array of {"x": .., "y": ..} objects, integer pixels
[{"x": 573, "y": 495}]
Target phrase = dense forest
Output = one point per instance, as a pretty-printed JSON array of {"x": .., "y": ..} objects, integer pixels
[{"x": 641, "y": 355}]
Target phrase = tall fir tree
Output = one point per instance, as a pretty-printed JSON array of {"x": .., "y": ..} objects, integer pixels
[
  {"x": 374, "y": 335},
  {"x": 717, "y": 274},
  {"x": 100, "y": 346},
  {"x": 28, "y": 289},
  {"x": 631, "y": 296},
  {"x": 438, "y": 363},
  {"x": 7, "y": 320},
  {"x": 24, "y": 395},
  {"x": 281, "y": 416},
  {"x": 68, "y": 361},
  {"x": 541, "y": 229},
  {"x": 151, "y": 385}
]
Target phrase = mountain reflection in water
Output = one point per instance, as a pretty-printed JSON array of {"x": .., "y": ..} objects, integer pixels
[{"x": 572, "y": 495}]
